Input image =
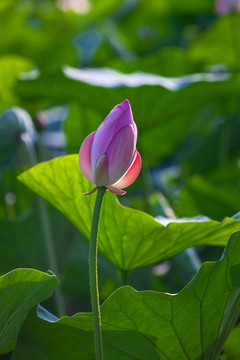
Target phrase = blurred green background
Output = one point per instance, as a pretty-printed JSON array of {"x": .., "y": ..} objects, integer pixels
[{"x": 63, "y": 66}]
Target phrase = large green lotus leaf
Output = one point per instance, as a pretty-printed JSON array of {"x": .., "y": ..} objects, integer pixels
[
  {"x": 151, "y": 96},
  {"x": 219, "y": 44},
  {"x": 128, "y": 238},
  {"x": 212, "y": 146},
  {"x": 169, "y": 61},
  {"x": 202, "y": 196},
  {"x": 20, "y": 290},
  {"x": 215, "y": 195},
  {"x": 190, "y": 325}
]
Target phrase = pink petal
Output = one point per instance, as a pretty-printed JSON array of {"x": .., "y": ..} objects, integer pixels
[
  {"x": 116, "y": 191},
  {"x": 132, "y": 173},
  {"x": 91, "y": 192},
  {"x": 120, "y": 116},
  {"x": 120, "y": 153},
  {"x": 85, "y": 157},
  {"x": 100, "y": 173},
  {"x": 125, "y": 105}
]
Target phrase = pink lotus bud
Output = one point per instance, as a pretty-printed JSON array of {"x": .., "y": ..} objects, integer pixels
[{"x": 108, "y": 156}]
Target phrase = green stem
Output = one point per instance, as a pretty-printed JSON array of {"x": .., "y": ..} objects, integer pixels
[
  {"x": 124, "y": 277},
  {"x": 93, "y": 275},
  {"x": 46, "y": 227}
]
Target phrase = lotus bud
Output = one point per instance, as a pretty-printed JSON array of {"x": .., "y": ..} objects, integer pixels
[{"x": 108, "y": 156}]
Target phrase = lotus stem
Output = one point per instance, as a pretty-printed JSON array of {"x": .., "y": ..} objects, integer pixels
[{"x": 93, "y": 275}]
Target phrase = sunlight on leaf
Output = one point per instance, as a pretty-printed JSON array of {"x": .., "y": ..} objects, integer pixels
[{"x": 128, "y": 238}]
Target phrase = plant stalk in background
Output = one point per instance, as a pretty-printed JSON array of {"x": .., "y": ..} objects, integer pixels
[{"x": 46, "y": 227}]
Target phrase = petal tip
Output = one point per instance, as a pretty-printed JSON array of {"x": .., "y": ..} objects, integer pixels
[
  {"x": 125, "y": 104},
  {"x": 116, "y": 191},
  {"x": 91, "y": 192}
]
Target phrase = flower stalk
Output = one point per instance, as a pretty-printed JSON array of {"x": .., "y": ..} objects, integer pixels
[
  {"x": 93, "y": 275},
  {"x": 109, "y": 159}
]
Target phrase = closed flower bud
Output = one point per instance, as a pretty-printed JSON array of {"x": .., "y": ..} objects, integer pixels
[{"x": 108, "y": 156}]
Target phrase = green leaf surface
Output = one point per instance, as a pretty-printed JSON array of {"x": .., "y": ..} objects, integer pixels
[
  {"x": 220, "y": 43},
  {"x": 161, "y": 125},
  {"x": 20, "y": 290},
  {"x": 169, "y": 61},
  {"x": 128, "y": 238},
  {"x": 207, "y": 197},
  {"x": 190, "y": 325},
  {"x": 215, "y": 195}
]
